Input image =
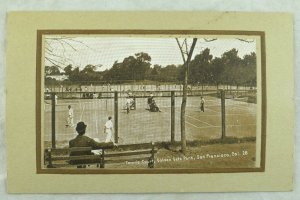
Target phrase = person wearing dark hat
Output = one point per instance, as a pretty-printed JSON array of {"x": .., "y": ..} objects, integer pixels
[{"x": 84, "y": 141}]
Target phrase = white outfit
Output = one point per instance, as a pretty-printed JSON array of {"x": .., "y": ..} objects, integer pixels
[
  {"x": 71, "y": 118},
  {"x": 128, "y": 102},
  {"x": 203, "y": 100},
  {"x": 108, "y": 130},
  {"x": 202, "y": 104}
]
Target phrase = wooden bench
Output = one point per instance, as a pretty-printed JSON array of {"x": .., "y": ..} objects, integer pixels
[{"x": 60, "y": 157}]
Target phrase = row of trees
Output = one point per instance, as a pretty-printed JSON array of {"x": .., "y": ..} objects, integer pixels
[{"x": 204, "y": 68}]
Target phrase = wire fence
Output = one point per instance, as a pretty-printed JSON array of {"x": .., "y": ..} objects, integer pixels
[
  {"x": 137, "y": 121},
  {"x": 139, "y": 86}
]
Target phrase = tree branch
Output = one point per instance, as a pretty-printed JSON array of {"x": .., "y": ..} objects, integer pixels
[
  {"x": 192, "y": 49},
  {"x": 53, "y": 62},
  {"x": 243, "y": 40},
  {"x": 81, "y": 43},
  {"x": 186, "y": 47},
  {"x": 209, "y": 40},
  {"x": 181, "y": 51},
  {"x": 69, "y": 44},
  {"x": 47, "y": 49}
]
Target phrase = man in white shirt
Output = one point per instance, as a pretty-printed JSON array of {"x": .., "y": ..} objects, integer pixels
[
  {"x": 202, "y": 104},
  {"x": 128, "y": 104},
  {"x": 70, "y": 118},
  {"x": 108, "y": 129}
]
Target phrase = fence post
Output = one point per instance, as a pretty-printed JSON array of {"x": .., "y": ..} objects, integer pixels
[
  {"x": 53, "y": 119},
  {"x": 50, "y": 165},
  {"x": 134, "y": 100},
  {"x": 116, "y": 116},
  {"x": 172, "y": 117},
  {"x": 223, "y": 113},
  {"x": 151, "y": 159},
  {"x": 102, "y": 162}
]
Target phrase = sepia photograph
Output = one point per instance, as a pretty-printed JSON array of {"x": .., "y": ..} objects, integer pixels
[
  {"x": 151, "y": 101},
  {"x": 170, "y": 103}
]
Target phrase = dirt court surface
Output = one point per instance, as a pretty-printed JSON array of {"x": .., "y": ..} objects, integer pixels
[{"x": 142, "y": 126}]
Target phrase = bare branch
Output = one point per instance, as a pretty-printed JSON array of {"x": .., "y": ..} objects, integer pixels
[
  {"x": 65, "y": 39},
  {"x": 209, "y": 40},
  {"x": 181, "y": 50},
  {"x": 53, "y": 62},
  {"x": 62, "y": 44},
  {"x": 81, "y": 43},
  {"x": 47, "y": 49},
  {"x": 192, "y": 49},
  {"x": 69, "y": 44},
  {"x": 186, "y": 47},
  {"x": 55, "y": 55},
  {"x": 243, "y": 40}
]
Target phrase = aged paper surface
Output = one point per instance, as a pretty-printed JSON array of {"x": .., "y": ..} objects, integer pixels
[{"x": 279, "y": 135}]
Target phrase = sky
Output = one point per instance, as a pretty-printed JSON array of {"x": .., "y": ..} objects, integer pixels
[{"x": 103, "y": 51}]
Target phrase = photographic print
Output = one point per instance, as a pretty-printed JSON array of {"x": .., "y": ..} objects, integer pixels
[
  {"x": 205, "y": 99},
  {"x": 152, "y": 101}
]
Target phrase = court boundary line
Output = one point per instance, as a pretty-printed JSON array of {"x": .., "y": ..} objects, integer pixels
[
  {"x": 233, "y": 125},
  {"x": 196, "y": 119},
  {"x": 191, "y": 124},
  {"x": 82, "y": 112},
  {"x": 248, "y": 114},
  {"x": 240, "y": 107},
  {"x": 199, "y": 120}
]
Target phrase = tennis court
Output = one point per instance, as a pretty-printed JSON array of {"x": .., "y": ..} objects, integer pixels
[{"x": 141, "y": 125}]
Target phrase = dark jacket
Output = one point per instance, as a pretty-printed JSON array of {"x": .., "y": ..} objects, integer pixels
[{"x": 84, "y": 141}]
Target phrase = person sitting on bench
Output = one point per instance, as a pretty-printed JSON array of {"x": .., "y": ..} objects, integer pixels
[{"x": 84, "y": 141}]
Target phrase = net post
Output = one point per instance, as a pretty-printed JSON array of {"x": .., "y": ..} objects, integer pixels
[
  {"x": 172, "y": 117},
  {"x": 116, "y": 116},
  {"x": 134, "y": 105},
  {"x": 53, "y": 119},
  {"x": 223, "y": 113}
]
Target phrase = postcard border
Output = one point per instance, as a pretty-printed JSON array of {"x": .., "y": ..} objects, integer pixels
[{"x": 40, "y": 170}]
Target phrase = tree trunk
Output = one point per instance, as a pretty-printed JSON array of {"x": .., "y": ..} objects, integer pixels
[
  {"x": 184, "y": 93},
  {"x": 183, "y": 106}
]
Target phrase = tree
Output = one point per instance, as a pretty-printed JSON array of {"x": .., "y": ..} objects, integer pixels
[
  {"x": 155, "y": 72},
  {"x": 68, "y": 70},
  {"x": 186, "y": 62},
  {"x": 131, "y": 68},
  {"x": 217, "y": 69},
  {"x": 75, "y": 75},
  {"x": 143, "y": 57},
  {"x": 141, "y": 65},
  {"x": 249, "y": 65},
  {"x": 52, "y": 70},
  {"x": 169, "y": 73},
  {"x": 200, "y": 67}
]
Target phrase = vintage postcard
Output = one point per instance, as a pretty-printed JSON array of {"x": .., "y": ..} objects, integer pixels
[
  {"x": 185, "y": 100},
  {"x": 151, "y": 103}
]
